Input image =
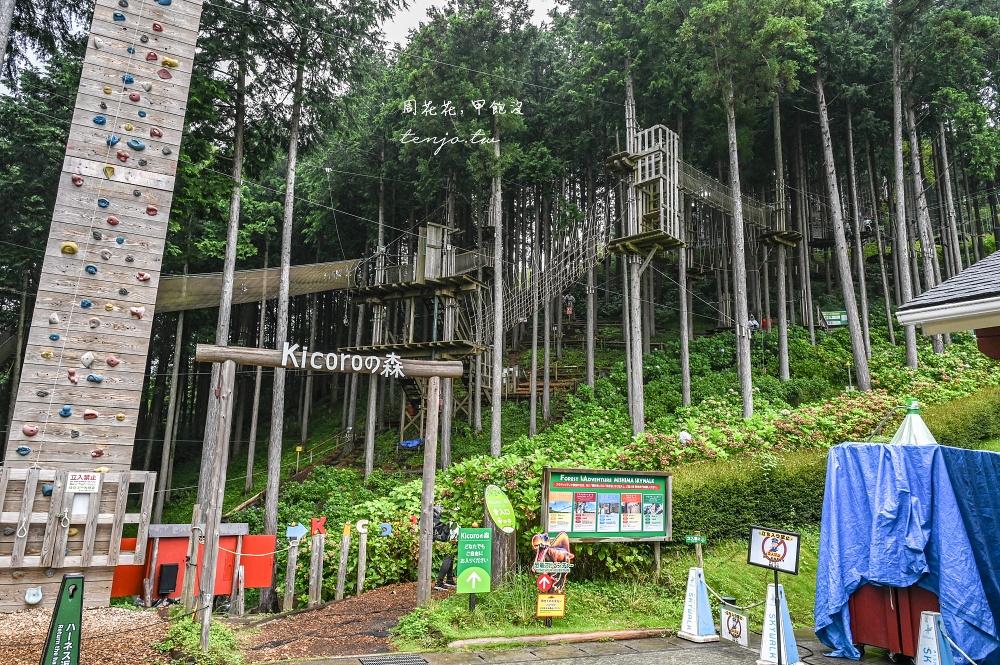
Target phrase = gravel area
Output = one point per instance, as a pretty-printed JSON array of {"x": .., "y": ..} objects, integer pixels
[
  {"x": 358, "y": 625},
  {"x": 22, "y": 636}
]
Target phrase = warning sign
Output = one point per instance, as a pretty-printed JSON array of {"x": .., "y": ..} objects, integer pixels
[
  {"x": 733, "y": 626},
  {"x": 550, "y": 605},
  {"x": 83, "y": 483}
]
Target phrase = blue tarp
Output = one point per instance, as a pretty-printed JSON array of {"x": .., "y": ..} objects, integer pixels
[{"x": 904, "y": 515}]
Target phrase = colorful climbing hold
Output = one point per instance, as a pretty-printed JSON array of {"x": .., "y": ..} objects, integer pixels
[
  {"x": 91, "y": 269},
  {"x": 112, "y": 361},
  {"x": 151, "y": 211},
  {"x": 157, "y": 27},
  {"x": 129, "y": 127},
  {"x": 166, "y": 151},
  {"x": 103, "y": 202},
  {"x": 120, "y": 240},
  {"x": 54, "y": 337},
  {"x": 95, "y": 378},
  {"x": 47, "y": 354},
  {"x": 87, "y": 359},
  {"x": 164, "y": 73},
  {"x": 122, "y": 156},
  {"x": 108, "y": 307},
  {"x": 72, "y": 531},
  {"x": 152, "y": 57},
  {"x": 94, "y": 322},
  {"x": 100, "y": 120},
  {"x": 144, "y": 38},
  {"x": 123, "y": 4},
  {"x": 109, "y": 172},
  {"x": 66, "y": 411},
  {"x": 47, "y": 489},
  {"x": 102, "y": 469},
  {"x": 96, "y": 235},
  {"x": 97, "y": 452},
  {"x": 118, "y": 16},
  {"x": 104, "y": 106},
  {"x": 129, "y": 258},
  {"x": 155, "y": 132},
  {"x": 120, "y": 417},
  {"x": 99, "y": 43},
  {"x": 130, "y": 49},
  {"x": 89, "y": 414},
  {"x": 165, "y": 3},
  {"x": 68, "y": 248},
  {"x": 42, "y": 393},
  {"x": 30, "y": 430},
  {"x": 136, "y": 192},
  {"x": 142, "y": 114},
  {"x": 107, "y": 90},
  {"x": 127, "y": 79},
  {"x": 23, "y": 450},
  {"x": 143, "y": 276},
  {"x": 85, "y": 303},
  {"x": 78, "y": 180},
  {"x": 146, "y": 85},
  {"x": 133, "y": 96},
  {"x": 143, "y": 162},
  {"x": 123, "y": 291},
  {"x": 170, "y": 62},
  {"x": 112, "y": 141},
  {"x": 71, "y": 375},
  {"x": 137, "y": 312},
  {"x": 53, "y": 318},
  {"x": 8, "y": 531},
  {"x": 74, "y": 433},
  {"x": 136, "y": 144}
]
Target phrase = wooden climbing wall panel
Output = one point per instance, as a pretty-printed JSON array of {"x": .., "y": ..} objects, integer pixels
[{"x": 85, "y": 360}]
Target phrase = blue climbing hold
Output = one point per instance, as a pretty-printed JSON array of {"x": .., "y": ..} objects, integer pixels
[
  {"x": 47, "y": 489},
  {"x": 23, "y": 450},
  {"x": 54, "y": 337},
  {"x": 85, "y": 303},
  {"x": 165, "y": 3},
  {"x": 99, "y": 120},
  {"x": 131, "y": 49},
  {"x": 119, "y": 16},
  {"x": 112, "y": 140},
  {"x": 103, "y": 202},
  {"x": 95, "y": 378},
  {"x": 142, "y": 114},
  {"x": 127, "y": 79},
  {"x": 136, "y": 144},
  {"x": 91, "y": 269},
  {"x": 66, "y": 411},
  {"x": 120, "y": 240}
]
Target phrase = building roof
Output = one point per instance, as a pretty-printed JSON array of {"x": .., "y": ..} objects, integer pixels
[{"x": 969, "y": 300}]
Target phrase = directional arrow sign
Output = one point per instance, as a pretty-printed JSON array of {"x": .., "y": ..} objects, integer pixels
[
  {"x": 475, "y": 560},
  {"x": 544, "y": 582},
  {"x": 295, "y": 532}
]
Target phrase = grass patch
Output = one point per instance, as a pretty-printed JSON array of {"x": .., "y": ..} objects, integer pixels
[{"x": 614, "y": 603}]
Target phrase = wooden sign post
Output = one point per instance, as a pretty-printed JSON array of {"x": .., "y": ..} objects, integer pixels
[{"x": 345, "y": 550}]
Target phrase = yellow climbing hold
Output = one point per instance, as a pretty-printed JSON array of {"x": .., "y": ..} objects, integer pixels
[
  {"x": 109, "y": 307},
  {"x": 170, "y": 62},
  {"x": 120, "y": 417},
  {"x": 46, "y": 354},
  {"x": 129, "y": 127},
  {"x": 102, "y": 469},
  {"x": 72, "y": 531},
  {"x": 107, "y": 90},
  {"x": 109, "y": 172},
  {"x": 68, "y": 248}
]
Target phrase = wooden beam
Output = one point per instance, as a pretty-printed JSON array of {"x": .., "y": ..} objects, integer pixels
[{"x": 210, "y": 353}]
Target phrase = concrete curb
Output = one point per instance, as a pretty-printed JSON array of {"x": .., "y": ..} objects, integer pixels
[{"x": 563, "y": 637}]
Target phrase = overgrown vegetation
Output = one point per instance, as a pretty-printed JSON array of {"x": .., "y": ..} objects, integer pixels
[{"x": 183, "y": 642}]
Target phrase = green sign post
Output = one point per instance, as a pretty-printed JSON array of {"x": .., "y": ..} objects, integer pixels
[
  {"x": 607, "y": 506},
  {"x": 500, "y": 509},
  {"x": 475, "y": 562},
  {"x": 835, "y": 317},
  {"x": 696, "y": 540},
  {"x": 62, "y": 645}
]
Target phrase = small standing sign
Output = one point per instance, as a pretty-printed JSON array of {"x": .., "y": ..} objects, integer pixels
[
  {"x": 62, "y": 645},
  {"x": 550, "y": 606},
  {"x": 733, "y": 626},
  {"x": 475, "y": 560},
  {"x": 776, "y": 550}
]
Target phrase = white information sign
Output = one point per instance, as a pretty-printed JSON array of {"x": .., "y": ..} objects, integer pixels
[
  {"x": 83, "y": 483},
  {"x": 733, "y": 626},
  {"x": 774, "y": 549}
]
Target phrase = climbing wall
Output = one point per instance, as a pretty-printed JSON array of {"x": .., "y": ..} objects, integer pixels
[{"x": 85, "y": 360}]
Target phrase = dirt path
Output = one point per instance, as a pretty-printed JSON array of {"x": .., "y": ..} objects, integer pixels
[{"x": 357, "y": 625}]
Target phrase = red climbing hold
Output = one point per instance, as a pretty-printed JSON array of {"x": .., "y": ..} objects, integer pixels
[
  {"x": 113, "y": 221},
  {"x": 164, "y": 73},
  {"x": 142, "y": 276},
  {"x": 157, "y": 27},
  {"x": 137, "y": 312},
  {"x": 72, "y": 376},
  {"x": 78, "y": 181},
  {"x": 151, "y": 211},
  {"x": 122, "y": 156},
  {"x": 133, "y": 96},
  {"x": 112, "y": 361},
  {"x": 97, "y": 452},
  {"x": 155, "y": 132},
  {"x": 89, "y": 414},
  {"x": 30, "y": 430},
  {"x": 152, "y": 57}
]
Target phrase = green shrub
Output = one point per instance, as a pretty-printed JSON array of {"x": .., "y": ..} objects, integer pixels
[
  {"x": 183, "y": 642},
  {"x": 967, "y": 421}
]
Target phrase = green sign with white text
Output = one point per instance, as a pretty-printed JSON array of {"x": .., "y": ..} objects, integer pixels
[
  {"x": 500, "y": 509},
  {"x": 475, "y": 560},
  {"x": 836, "y": 317},
  {"x": 62, "y": 645}
]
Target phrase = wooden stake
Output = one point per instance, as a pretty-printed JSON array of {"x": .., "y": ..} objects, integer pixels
[
  {"x": 345, "y": 549},
  {"x": 316, "y": 569},
  {"x": 362, "y": 560},
  {"x": 236, "y": 597},
  {"x": 191, "y": 562},
  {"x": 293, "y": 556},
  {"x": 425, "y": 561},
  {"x": 697, "y": 551}
]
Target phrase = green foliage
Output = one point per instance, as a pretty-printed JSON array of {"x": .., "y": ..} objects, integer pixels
[
  {"x": 183, "y": 642},
  {"x": 965, "y": 422}
]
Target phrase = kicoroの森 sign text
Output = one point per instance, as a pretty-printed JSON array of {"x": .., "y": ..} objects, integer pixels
[
  {"x": 293, "y": 357},
  {"x": 774, "y": 549}
]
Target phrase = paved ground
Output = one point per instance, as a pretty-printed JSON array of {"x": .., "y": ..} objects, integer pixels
[{"x": 649, "y": 651}]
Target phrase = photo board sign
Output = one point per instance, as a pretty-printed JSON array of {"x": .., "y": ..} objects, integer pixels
[
  {"x": 774, "y": 549},
  {"x": 607, "y": 506}
]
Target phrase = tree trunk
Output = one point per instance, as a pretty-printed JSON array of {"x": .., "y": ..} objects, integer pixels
[
  {"x": 591, "y": 290},
  {"x": 805, "y": 279},
  {"x": 268, "y": 598},
  {"x": 633, "y": 296},
  {"x": 378, "y": 322},
  {"x": 308, "y": 392},
  {"x": 205, "y": 480},
  {"x": 6, "y": 18},
  {"x": 881, "y": 245},
  {"x": 741, "y": 314},
  {"x": 902, "y": 235},
  {"x": 859, "y": 252},
  {"x": 840, "y": 241},
  {"x": 496, "y": 215},
  {"x": 949, "y": 202},
  {"x": 167, "y": 451},
  {"x": 782, "y": 223}
]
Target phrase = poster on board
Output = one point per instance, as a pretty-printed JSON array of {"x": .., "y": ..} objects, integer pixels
[{"x": 774, "y": 549}]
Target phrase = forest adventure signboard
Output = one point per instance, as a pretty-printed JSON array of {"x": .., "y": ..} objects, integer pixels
[{"x": 595, "y": 505}]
